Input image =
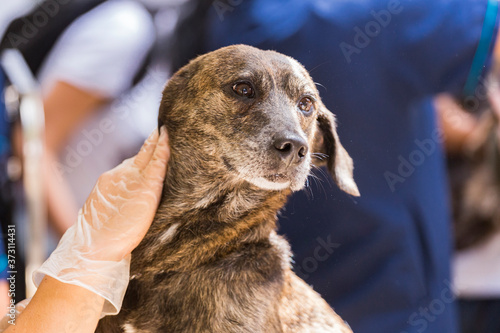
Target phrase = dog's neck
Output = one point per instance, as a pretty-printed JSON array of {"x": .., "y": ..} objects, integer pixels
[{"x": 205, "y": 213}]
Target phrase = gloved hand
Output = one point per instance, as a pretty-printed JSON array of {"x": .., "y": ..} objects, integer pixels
[{"x": 95, "y": 252}]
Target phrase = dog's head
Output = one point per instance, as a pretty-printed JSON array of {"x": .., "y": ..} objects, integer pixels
[{"x": 257, "y": 116}]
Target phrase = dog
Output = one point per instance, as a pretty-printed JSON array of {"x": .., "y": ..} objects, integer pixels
[{"x": 245, "y": 126}]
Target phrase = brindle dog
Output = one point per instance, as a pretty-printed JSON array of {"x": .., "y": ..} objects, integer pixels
[{"x": 245, "y": 127}]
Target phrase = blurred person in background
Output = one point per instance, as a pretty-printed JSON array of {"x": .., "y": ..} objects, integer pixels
[
  {"x": 89, "y": 64},
  {"x": 383, "y": 260},
  {"x": 6, "y": 193},
  {"x": 472, "y": 141},
  {"x": 85, "y": 54}
]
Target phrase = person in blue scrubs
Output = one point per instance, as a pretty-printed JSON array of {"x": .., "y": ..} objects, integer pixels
[{"x": 381, "y": 260}]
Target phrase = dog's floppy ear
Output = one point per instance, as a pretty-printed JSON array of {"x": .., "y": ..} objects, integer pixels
[{"x": 335, "y": 157}]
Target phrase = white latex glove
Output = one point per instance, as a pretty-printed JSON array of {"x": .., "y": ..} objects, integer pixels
[{"x": 95, "y": 252}]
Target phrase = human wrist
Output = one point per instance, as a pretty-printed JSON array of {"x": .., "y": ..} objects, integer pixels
[{"x": 68, "y": 264}]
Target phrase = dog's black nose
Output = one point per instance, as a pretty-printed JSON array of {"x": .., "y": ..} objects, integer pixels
[{"x": 291, "y": 148}]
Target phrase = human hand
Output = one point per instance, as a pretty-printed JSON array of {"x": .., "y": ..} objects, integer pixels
[
  {"x": 122, "y": 205},
  {"x": 95, "y": 252}
]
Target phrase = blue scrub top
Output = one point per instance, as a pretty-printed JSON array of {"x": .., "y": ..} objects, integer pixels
[{"x": 381, "y": 260}]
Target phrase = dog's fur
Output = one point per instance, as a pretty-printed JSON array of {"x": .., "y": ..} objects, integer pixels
[{"x": 212, "y": 261}]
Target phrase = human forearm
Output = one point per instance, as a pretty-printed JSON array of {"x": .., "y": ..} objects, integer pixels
[
  {"x": 56, "y": 302},
  {"x": 61, "y": 205},
  {"x": 66, "y": 108}
]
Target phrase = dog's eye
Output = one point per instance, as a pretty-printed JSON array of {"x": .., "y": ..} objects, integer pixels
[
  {"x": 306, "y": 105},
  {"x": 244, "y": 89}
]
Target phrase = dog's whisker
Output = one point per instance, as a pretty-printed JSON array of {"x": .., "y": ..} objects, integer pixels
[
  {"x": 319, "y": 180},
  {"x": 319, "y": 84},
  {"x": 309, "y": 191},
  {"x": 313, "y": 175},
  {"x": 307, "y": 188},
  {"x": 322, "y": 172},
  {"x": 314, "y": 68},
  {"x": 320, "y": 156},
  {"x": 322, "y": 187}
]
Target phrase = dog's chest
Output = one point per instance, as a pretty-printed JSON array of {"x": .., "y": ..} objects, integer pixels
[
  {"x": 207, "y": 277},
  {"x": 237, "y": 293}
]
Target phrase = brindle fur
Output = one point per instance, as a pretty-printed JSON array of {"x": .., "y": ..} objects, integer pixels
[{"x": 212, "y": 261}]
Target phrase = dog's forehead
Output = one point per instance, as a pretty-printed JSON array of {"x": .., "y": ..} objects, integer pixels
[
  {"x": 248, "y": 61},
  {"x": 290, "y": 67},
  {"x": 288, "y": 72}
]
